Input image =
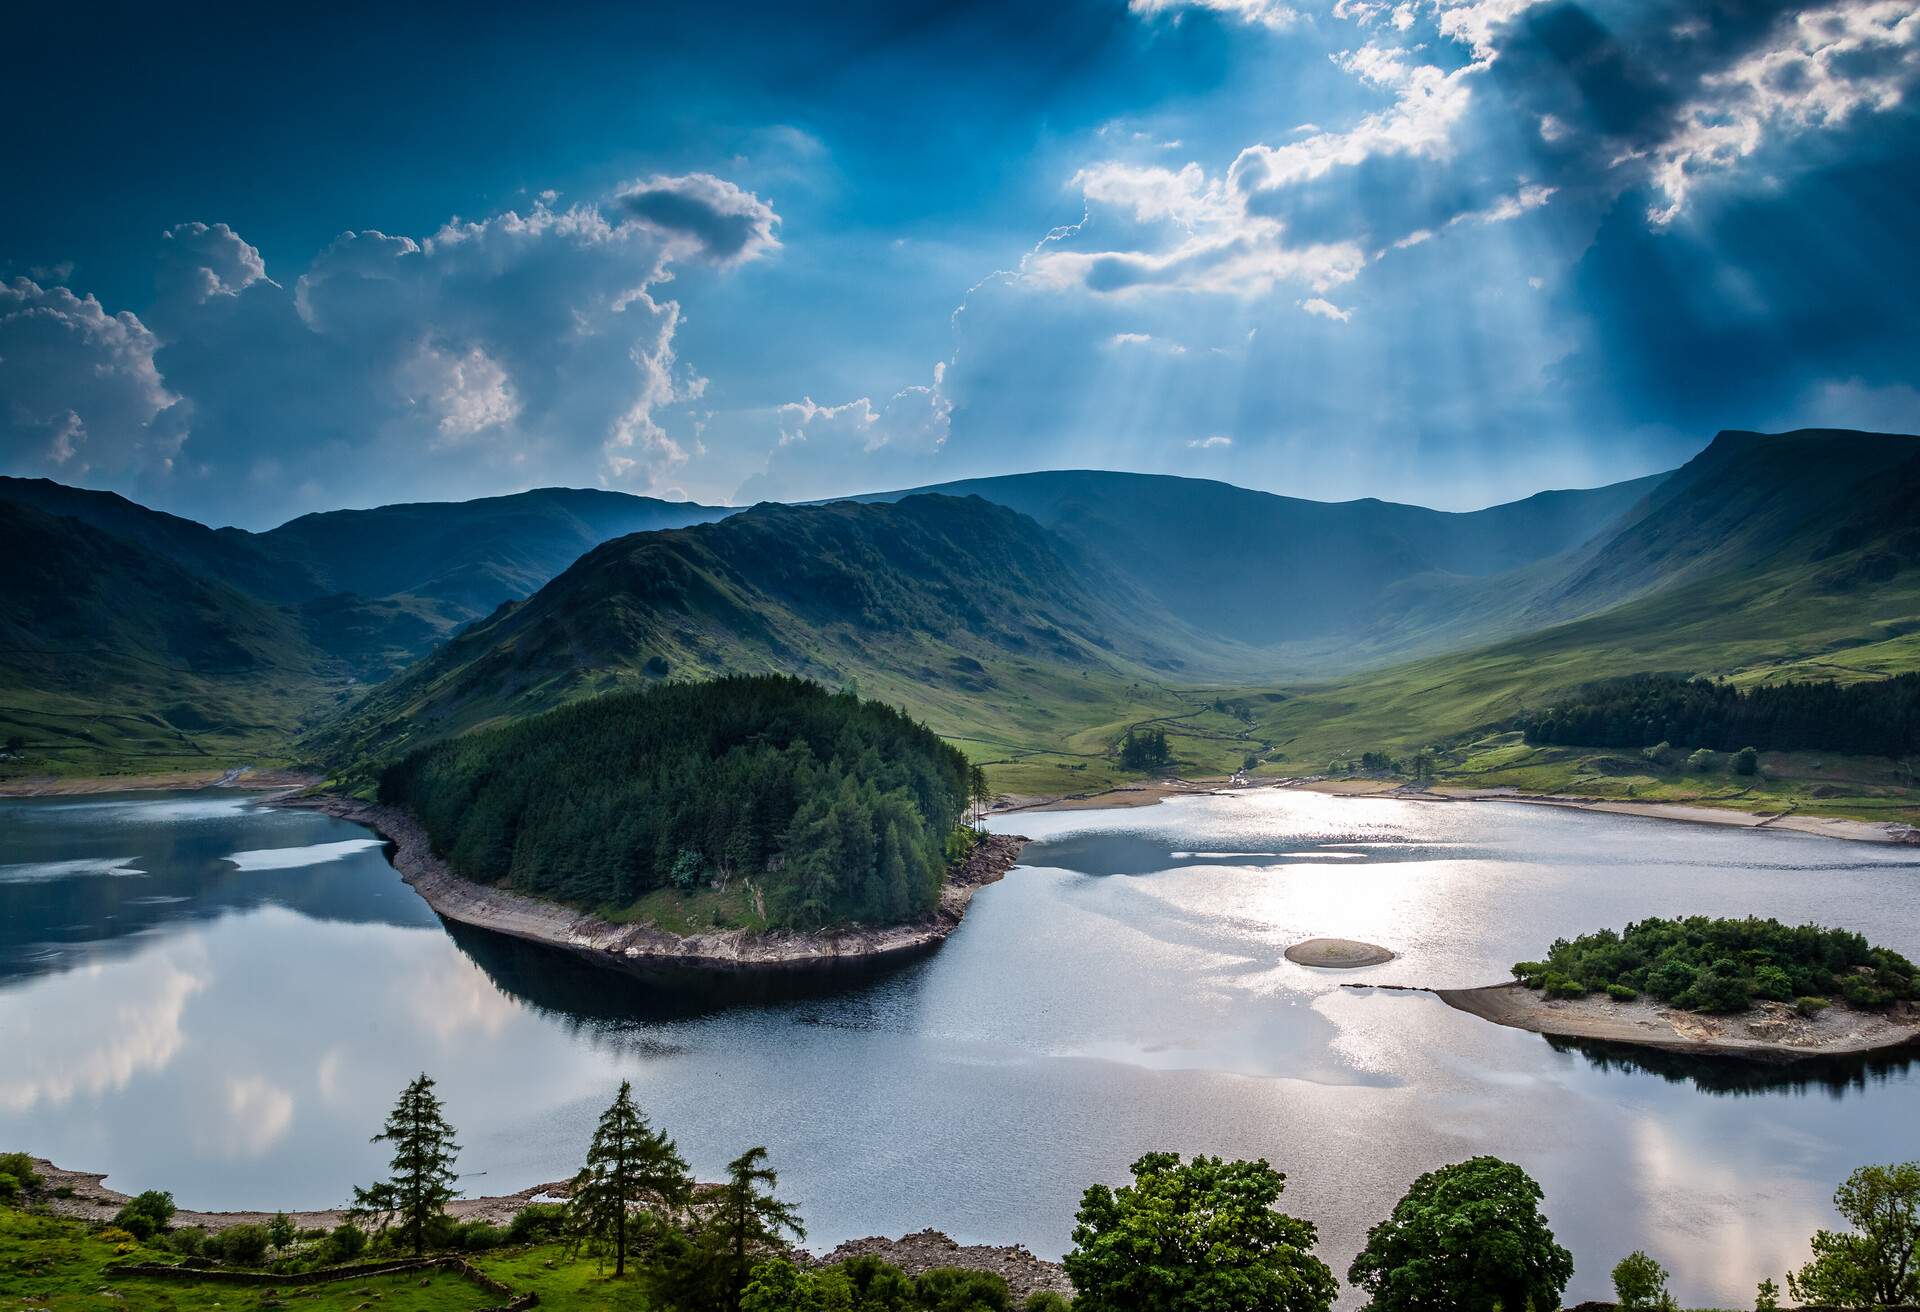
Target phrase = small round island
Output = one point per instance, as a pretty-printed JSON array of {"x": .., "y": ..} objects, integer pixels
[{"x": 1337, "y": 953}]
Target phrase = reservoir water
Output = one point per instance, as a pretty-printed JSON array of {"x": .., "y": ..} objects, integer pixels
[{"x": 202, "y": 994}]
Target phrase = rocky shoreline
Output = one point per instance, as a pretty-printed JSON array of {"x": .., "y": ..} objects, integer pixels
[
  {"x": 1771, "y": 1032},
  {"x": 540, "y": 921}
]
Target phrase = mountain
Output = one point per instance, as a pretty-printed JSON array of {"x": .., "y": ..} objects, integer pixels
[
  {"x": 1274, "y": 570},
  {"x": 1764, "y": 558},
  {"x": 467, "y": 557},
  {"x": 964, "y": 611},
  {"x": 111, "y": 651}
]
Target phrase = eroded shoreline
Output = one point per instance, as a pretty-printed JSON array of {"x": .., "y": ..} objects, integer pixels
[{"x": 603, "y": 942}]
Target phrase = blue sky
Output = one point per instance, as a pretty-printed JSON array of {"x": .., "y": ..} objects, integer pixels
[{"x": 1440, "y": 252}]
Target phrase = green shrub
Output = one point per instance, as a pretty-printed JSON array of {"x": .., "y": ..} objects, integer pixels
[
  {"x": 1559, "y": 986},
  {"x": 1622, "y": 993},
  {"x": 1746, "y": 761},
  {"x": 1700, "y": 762},
  {"x": 146, "y": 1215},
  {"x": 1810, "y": 1005},
  {"x": 17, "y": 1177},
  {"x": 1531, "y": 973},
  {"x": 188, "y": 1241},
  {"x": 1047, "y": 1301},
  {"x": 1772, "y": 983},
  {"x": 536, "y": 1222},
  {"x": 1640, "y": 1283},
  {"x": 240, "y": 1245},
  {"x": 478, "y": 1237},
  {"x": 950, "y": 1289},
  {"x": 345, "y": 1242}
]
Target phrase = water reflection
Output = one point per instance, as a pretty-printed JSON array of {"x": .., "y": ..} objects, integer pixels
[
  {"x": 236, "y": 1034},
  {"x": 1835, "y": 1076}
]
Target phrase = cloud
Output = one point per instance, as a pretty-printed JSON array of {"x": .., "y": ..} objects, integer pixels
[
  {"x": 1817, "y": 70},
  {"x": 1144, "y": 342},
  {"x": 1210, "y": 443},
  {"x": 1326, "y": 309},
  {"x": 705, "y": 216},
  {"x": 823, "y": 450},
  {"x": 78, "y": 386},
  {"x": 1269, "y": 14},
  {"x": 522, "y": 348}
]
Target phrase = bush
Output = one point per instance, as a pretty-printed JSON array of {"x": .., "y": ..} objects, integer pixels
[
  {"x": 1746, "y": 761},
  {"x": 188, "y": 1241},
  {"x": 1700, "y": 762},
  {"x": 478, "y": 1237},
  {"x": 147, "y": 1215},
  {"x": 1622, "y": 993},
  {"x": 1559, "y": 986},
  {"x": 949, "y": 1289},
  {"x": 1046, "y": 1301},
  {"x": 240, "y": 1245},
  {"x": 1772, "y": 983},
  {"x": 280, "y": 1232},
  {"x": 344, "y": 1243},
  {"x": 1531, "y": 973},
  {"x": 536, "y": 1222},
  {"x": 1810, "y": 1005},
  {"x": 17, "y": 1177}
]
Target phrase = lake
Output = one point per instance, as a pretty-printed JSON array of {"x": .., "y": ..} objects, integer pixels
[{"x": 203, "y": 994}]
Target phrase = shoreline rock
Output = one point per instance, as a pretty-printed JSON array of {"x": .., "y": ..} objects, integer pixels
[{"x": 537, "y": 920}]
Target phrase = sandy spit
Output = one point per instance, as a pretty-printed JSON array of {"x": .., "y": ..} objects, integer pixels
[
  {"x": 601, "y": 941},
  {"x": 1771, "y": 1032}
]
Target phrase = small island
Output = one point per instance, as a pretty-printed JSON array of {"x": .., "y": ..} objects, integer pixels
[
  {"x": 1337, "y": 953},
  {"x": 745, "y": 822},
  {"x": 1751, "y": 988}
]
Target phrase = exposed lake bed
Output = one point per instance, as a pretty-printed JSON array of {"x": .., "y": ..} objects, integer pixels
[{"x": 1125, "y": 989}]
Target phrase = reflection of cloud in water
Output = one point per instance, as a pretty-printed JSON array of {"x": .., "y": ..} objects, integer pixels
[
  {"x": 1714, "y": 1223},
  {"x": 91, "y": 1031},
  {"x": 40, "y": 872},
  {"x": 255, "y": 1117},
  {"x": 293, "y": 858},
  {"x": 139, "y": 810},
  {"x": 451, "y": 997}
]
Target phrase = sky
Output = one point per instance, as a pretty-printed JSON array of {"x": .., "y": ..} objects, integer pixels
[{"x": 1449, "y": 252}]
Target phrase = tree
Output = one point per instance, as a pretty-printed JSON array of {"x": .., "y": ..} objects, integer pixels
[
  {"x": 1700, "y": 761},
  {"x": 423, "y": 1153},
  {"x": 1466, "y": 1238},
  {"x": 1640, "y": 1285},
  {"x": 280, "y": 1232},
  {"x": 1203, "y": 1235},
  {"x": 1746, "y": 761},
  {"x": 1875, "y": 1264},
  {"x": 146, "y": 1214},
  {"x": 1766, "y": 1297},
  {"x": 747, "y": 1217},
  {"x": 981, "y": 795},
  {"x": 628, "y": 1163}
]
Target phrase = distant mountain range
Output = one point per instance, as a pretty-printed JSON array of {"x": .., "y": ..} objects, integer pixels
[{"x": 1034, "y": 614}]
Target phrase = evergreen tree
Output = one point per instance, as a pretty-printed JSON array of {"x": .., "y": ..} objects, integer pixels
[
  {"x": 981, "y": 795},
  {"x": 748, "y": 1217},
  {"x": 421, "y": 1185},
  {"x": 628, "y": 1163}
]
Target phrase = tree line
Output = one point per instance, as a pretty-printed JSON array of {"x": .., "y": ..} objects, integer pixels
[
  {"x": 1878, "y": 717},
  {"x": 1204, "y": 1233},
  {"x": 840, "y": 810}
]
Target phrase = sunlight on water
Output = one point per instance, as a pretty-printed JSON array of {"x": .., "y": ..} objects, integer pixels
[{"x": 236, "y": 1034}]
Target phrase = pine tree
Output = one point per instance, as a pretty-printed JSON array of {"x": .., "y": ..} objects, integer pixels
[
  {"x": 423, "y": 1154},
  {"x": 749, "y": 1217},
  {"x": 977, "y": 787},
  {"x": 628, "y": 1162}
]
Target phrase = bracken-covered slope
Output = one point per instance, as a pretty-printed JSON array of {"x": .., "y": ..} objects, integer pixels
[{"x": 960, "y": 610}]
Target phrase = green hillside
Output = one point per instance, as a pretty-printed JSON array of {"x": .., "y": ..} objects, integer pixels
[
  {"x": 1300, "y": 578},
  {"x": 114, "y": 658},
  {"x": 996, "y": 632}
]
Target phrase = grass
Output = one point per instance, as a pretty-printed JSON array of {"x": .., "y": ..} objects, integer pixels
[
  {"x": 60, "y": 1265},
  {"x": 695, "y": 911}
]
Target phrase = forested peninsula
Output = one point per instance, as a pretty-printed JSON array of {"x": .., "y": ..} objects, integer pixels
[{"x": 747, "y": 821}]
